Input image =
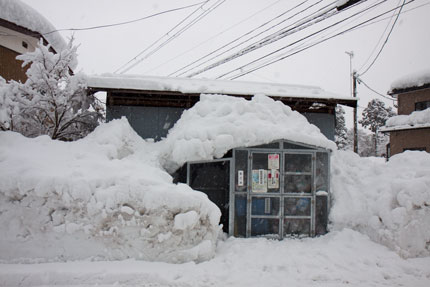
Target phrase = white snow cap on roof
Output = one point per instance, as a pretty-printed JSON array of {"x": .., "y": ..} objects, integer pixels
[
  {"x": 416, "y": 79},
  {"x": 206, "y": 86},
  {"x": 219, "y": 123},
  {"x": 21, "y": 14},
  {"x": 417, "y": 119}
]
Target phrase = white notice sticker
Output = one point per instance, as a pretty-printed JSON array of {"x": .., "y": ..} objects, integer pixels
[
  {"x": 273, "y": 179},
  {"x": 259, "y": 180},
  {"x": 240, "y": 178},
  {"x": 273, "y": 161}
]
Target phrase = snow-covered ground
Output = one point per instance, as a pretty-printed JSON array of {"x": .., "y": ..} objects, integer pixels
[
  {"x": 344, "y": 258},
  {"x": 103, "y": 210}
]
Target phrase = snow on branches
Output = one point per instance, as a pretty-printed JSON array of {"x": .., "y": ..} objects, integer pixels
[
  {"x": 374, "y": 116},
  {"x": 53, "y": 101}
]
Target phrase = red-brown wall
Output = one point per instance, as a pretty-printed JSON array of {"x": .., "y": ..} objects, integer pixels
[
  {"x": 409, "y": 139},
  {"x": 406, "y": 101},
  {"x": 10, "y": 68}
]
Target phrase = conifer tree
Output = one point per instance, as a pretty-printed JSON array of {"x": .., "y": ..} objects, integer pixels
[{"x": 374, "y": 116}]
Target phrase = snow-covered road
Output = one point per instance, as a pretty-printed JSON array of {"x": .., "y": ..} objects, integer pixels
[{"x": 345, "y": 258}]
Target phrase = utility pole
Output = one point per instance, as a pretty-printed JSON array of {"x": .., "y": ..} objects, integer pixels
[
  {"x": 354, "y": 94},
  {"x": 353, "y": 88}
]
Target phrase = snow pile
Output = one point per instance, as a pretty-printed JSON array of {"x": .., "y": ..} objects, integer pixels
[
  {"x": 19, "y": 13},
  {"x": 103, "y": 197},
  {"x": 414, "y": 120},
  {"x": 417, "y": 79},
  {"x": 390, "y": 201},
  {"x": 218, "y": 123}
]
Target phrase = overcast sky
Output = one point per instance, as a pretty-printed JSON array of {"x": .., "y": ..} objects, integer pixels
[{"x": 325, "y": 65}]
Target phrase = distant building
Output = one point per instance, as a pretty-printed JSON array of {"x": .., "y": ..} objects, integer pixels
[
  {"x": 21, "y": 28},
  {"x": 410, "y": 130},
  {"x": 152, "y": 105}
]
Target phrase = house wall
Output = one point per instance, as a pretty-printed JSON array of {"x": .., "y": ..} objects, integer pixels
[
  {"x": 409, "y": 139},
  {"x": 10, "y": 68},
  {"x": 12, "y": 44},
  {"x": 16, "y": 41},
  {"x": 406, "y": 101}
]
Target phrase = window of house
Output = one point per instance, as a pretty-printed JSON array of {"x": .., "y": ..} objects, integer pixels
[{"x": 420, "y": 106}]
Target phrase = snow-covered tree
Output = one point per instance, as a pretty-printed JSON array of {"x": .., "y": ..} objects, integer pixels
[
  {"x": 374, "y": 116},
  {"x": 340, "y": 132},
  {"x": 365, "y": 142},
  {"x": 53, "y": 100}
]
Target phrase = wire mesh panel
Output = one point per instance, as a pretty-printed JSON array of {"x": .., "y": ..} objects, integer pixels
[{"x": 282, "y": 188}]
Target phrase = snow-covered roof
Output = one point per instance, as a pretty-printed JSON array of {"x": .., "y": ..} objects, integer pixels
[
  {"x": 206, "y": 86},
  {"x": 414, "y": 80},
  {"x": 416, "y": 120},
  {"x": 21, "y": 14}
]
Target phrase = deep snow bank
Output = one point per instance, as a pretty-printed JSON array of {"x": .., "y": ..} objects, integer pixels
[
  {"x": 103, "y": 197},
  {"x": 390, "y": 201},
  {"x": 218, "y": 123}
]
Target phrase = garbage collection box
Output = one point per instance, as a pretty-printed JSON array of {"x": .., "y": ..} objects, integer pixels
[{"x": 276, "y": 190}]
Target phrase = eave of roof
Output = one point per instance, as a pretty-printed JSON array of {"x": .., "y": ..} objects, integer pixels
[
  {"x": 404, "y": 128},
  {"x": 186, "y": 86},
  {"x": 408, "y": 89},
  {"x": 24, "y": 31}
]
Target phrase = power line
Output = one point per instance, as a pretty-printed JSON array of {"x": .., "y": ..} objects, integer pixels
[
  {"x": 182, "y": 30},
  {"x": 383, "y": 19},
  {"x": 304, "y": 23},
  {"x": 314, "y": 44},
  {"x": 159, "y": 39},
  {"x": 386, "y": 40},
  {"x": 293, "y": 43},
  {"x": 213, "y": 37},
  {"x": 240, "y": 37},
  {"x": 360, "y": 81},
  {"x": 379, "y": 41},
  {"x": 126, "y": 22}
]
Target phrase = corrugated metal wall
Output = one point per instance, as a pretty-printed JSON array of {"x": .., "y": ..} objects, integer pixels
[
  {"x": 325, "y": 122},
  {"x": 148, "y": 122},
  {"x": 154, "y": 122}
]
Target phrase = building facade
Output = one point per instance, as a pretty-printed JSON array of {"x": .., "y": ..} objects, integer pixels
[
  {"x": 21, "y": 29},
  {"x": 410, "y": 130},
  {"x": 152, "y": 105}
]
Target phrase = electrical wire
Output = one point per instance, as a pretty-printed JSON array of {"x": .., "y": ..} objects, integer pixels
[
  {"x": 383, "y": 19},
  {"x": 189, "y": 25},
  {"x": 379, "y": 40},
  {"x": 360, "y": 81},
  {"x": 213, "y": 37},
  {"x": 126, "y": 22},
  {"x": 159, "y": 39},
  {"x": 316, "y": 43},
  {"x": 304, "y": 23},
  {"x": 386, "y": 40},
  {"x": 240, "y": 37},
  {"x": 298, "y": 41}
]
